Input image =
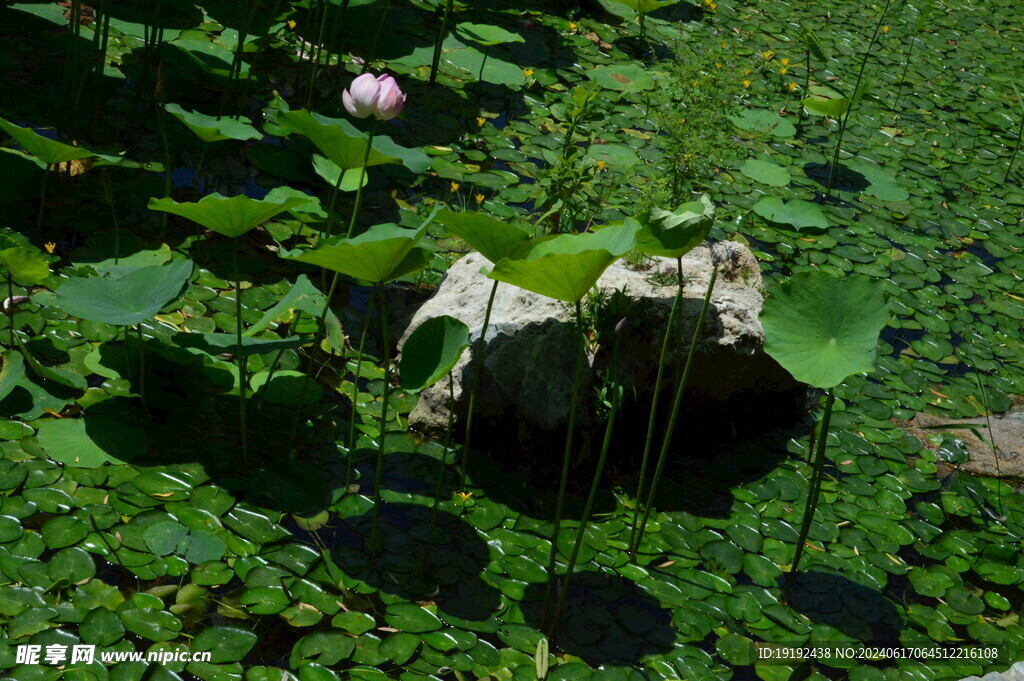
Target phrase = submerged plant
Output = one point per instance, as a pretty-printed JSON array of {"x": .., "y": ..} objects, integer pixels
[{"x": 823, "y": 330}]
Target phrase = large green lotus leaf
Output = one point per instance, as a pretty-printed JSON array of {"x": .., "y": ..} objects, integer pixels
[
  {"x": 90, "y": 442},
  {"x": 763, "y": 121},
  {"x": 485, "y": 34},
  {"x": 27, "y": 266},
  {"x": 11, "y": 371},
  {"x": 431, "y": 351},
  {"x": 345, "y": 145},
  {"x": 125, "y": 300},
  {"x": 674, "y": 233},
  {"x": 826, "y": 102},
  {"x": 796, "y": 212},
  {"x": 378, "y": 255},
  {"x": 823, "y": 329},
  {"x": 566, "y": 266},
  {"x": 329, "y": 171},
  {"x": 211, "y": 129},
  {"x": 43, "y": 148},
  {"x": 765, "y": 171},
  {"x": 623, "y": 77},
  {"x": 494, "y": 239},
  {"x": 232, "y": 216}
]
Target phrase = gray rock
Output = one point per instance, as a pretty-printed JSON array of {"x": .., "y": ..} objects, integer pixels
[
  {"x": 1005, "y": 459},
  {"x": 1014, "y": 673},
  {"x": 530, "y": 353}
]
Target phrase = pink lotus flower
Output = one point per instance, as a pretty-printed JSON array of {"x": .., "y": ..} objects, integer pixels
[
  {"x": 380, "y": 97},
  {"x": 361, "y": 96},
  {"x": 391, "y": 99}
]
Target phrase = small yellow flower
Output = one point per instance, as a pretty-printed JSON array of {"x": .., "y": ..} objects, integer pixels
[
  {"x": 601, "y": 165},
  {"x": 464, "y": 496},
  {"x": 783, "y": 71},
  {"x": 885, "y": 29},
  {"x": 712, "y": 6},
  {"x": 479, "y": 198},
  {"x": 695, "y": 83},
  {"x": 724, "y": 44},
  {"x": 767, "y": 54},
  {"x": 784, "y": 62},
  {"x": 49, "y": 246},
  {"x": 527, "y": 72},
  {"x": 746, "y": 72},
  {"x": 793, "y": 87},
  {"x": 572, "y": 26},
  {"x": 682, "y": 121},
  {"x": 747, "y": 83},
  {"x": 291, "y": 23},
  {"x": 718, "y": 64},
  {"x": 454, "y": 187},
  {"x": 480, "y": 121}
]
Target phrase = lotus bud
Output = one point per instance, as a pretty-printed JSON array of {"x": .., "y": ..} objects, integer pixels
[
  {"x": 361, "y": 96},
  {"x": 391, "y": 99},
  {"x": 620, "y": 328}
]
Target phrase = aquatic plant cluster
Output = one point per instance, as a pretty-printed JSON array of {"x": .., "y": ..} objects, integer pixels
[{"x": 214, "y": 213}]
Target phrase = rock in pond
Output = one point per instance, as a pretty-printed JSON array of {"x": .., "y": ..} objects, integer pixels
[
  {"x": 995, "y": 452},
  {"x": 529, "y": 353}
]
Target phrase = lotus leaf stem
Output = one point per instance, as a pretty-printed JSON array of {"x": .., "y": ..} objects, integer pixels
[
  {"x": 674, "y": 415},
  {"x": 815, "y": 485},
  {"x": 566, "y": 461},
  {"x": 478, "y": 366},
  {"x": 379, "y": 472}
]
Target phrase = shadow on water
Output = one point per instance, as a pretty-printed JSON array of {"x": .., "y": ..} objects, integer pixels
[
  {"x": 457, "y": 556},
  {"x": 856, "y": 610},
  {"x": 607, "y": 619}
]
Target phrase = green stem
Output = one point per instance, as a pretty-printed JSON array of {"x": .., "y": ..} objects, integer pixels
[
  {"x": 355, "y": 400},
  {"x": 566, "y": 461},
  {"x": 806, "y": 92},
  {"x": 142, "y": 368},
  {"x": 815, "y": 487},
  {"x": 379, "y": 472},
  {"x": 592, "y": 494},
  {"x": 273, "y": 369},
  {"x": 478, "y": 367},
  {"x": 441, "y": 33},
  {"x": 10, "y": 310},
  {"x": 673, "y": 417},
  {"x": 242, "y": 358},
  {"x": 834, "y": 170},
  {"x": 1016, "y": 148},
  {"x": 362, "y": 178},
  {"x": 440, "y": 472},
  {"x": 483, "y": 63},
  {"x": 652, "y": 416},
  {"x": 315, "y": 61},
  {"x": 376, "y": 36}
]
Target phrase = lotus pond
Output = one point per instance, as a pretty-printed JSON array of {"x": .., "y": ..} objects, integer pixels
[{"x": 215, "y": 212}]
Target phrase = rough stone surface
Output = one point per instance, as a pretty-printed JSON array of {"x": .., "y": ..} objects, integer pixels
[
  {"x": 530, "y": 354},
  {"x": 1007, "y": 434},
  {"x": 1014, "y": 673}
]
